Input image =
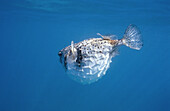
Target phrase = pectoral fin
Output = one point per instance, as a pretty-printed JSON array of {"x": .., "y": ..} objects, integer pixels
[{"x": 72, "y": 47}]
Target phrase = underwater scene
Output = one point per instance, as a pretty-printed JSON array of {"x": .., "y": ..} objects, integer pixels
[{"x": 84, "y": 55}]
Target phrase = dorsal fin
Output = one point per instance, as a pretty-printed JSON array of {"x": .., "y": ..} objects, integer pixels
[{"x": 108, "y": 37}]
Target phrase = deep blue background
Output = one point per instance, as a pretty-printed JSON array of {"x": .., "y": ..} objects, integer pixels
[{"x": 33, "y": 31}]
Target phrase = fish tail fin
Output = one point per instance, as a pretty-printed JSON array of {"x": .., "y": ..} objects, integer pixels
[{"x": 132, "y": 37}]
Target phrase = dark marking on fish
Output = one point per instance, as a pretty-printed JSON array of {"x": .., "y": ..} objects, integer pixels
[{"x": 79, "y": 57}]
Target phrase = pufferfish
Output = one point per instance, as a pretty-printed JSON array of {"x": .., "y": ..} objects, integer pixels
[{"x": 87, "y": 61}]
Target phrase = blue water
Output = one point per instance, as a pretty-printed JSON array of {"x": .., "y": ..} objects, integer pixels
[{"x": 33, "y": 31}]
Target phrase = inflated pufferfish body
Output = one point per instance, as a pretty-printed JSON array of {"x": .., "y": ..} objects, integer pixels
[{"x": 87, "y": 61}]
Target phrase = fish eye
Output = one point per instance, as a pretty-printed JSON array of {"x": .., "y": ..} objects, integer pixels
[{"x": 60, "y": 53}]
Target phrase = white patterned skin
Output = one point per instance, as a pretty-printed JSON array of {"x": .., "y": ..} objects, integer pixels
[
  {"x": 87, "y": 61},
  {"x": 91, "y": 61}
]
